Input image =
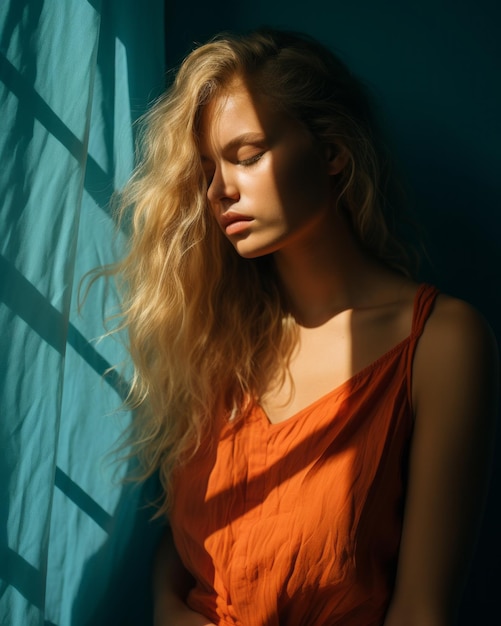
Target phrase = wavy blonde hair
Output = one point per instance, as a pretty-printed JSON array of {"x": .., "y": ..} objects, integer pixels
[{"x": 207, "y": 329}]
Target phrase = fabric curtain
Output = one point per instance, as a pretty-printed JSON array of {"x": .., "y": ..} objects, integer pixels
[{"x": 75, "y": 539}]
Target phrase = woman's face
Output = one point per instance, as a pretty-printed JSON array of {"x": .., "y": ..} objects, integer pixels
[{"x": 269, "y": 180}]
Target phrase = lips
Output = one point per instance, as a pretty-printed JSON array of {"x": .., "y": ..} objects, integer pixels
[{"x": 233, "y": 223}]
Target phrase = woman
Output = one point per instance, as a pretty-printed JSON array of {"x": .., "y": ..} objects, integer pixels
[{"x": 321, "y": 422}]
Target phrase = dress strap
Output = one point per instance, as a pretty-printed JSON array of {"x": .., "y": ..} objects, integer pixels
[{"x": 423, "y": 307}]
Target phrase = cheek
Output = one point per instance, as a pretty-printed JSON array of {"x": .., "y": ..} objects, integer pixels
[{"x": 304, "y": 182}]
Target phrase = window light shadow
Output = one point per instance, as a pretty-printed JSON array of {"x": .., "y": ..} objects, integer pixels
[
  {"x": 82, "y": 500},
  {"x": 33, "y": 107},
  {"x": 18, "y": 573},
  {"x": 24, "y": 300}
]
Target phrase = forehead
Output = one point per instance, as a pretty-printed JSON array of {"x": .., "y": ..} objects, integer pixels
[{"x": 236, "y": 110}]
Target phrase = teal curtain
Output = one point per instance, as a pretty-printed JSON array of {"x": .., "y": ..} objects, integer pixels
[{"x": 75, "y": 540}]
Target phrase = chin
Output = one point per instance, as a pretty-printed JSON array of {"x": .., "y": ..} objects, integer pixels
[
  {"x": 252, "y": 253},
  {"x": 249, "y": 254},
  {"x": 247, "y": 250}
]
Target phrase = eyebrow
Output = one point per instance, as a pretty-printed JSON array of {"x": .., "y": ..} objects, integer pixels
[{"x": 239, "y": 141}]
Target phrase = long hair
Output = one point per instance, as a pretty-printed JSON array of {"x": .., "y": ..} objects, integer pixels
[{"x": 207, "y": 329}]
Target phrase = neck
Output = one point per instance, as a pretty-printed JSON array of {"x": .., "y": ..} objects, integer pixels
[{"x": 327, "y": 273}]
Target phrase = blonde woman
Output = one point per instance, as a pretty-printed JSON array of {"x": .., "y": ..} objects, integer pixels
[{"x": 321, "y": 422}]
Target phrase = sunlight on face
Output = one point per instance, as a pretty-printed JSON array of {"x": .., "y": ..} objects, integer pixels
[{"x": 268, "y": 177}]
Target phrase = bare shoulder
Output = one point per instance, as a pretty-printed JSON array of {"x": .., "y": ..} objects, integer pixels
[
  {"x": 453, "y": 319},
  {"x": 457, "y": 354}
]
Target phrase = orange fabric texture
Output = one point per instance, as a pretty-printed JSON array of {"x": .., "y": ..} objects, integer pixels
[{"x": 299, "y": 523}]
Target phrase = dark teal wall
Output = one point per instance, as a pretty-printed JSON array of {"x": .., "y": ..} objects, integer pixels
[{"x": 435, "y": 68}]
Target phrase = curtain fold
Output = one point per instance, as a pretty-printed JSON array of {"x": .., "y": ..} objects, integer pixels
[{"x": 75, "y": 541}]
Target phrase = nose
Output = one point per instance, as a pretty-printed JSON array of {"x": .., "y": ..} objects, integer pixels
[{"x": 222, "y": 189}]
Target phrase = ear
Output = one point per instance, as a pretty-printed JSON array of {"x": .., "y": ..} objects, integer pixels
[{"x": 337, "y": 158}]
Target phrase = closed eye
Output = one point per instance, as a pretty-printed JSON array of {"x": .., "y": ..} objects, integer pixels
[{"x": 251, "y": 160}]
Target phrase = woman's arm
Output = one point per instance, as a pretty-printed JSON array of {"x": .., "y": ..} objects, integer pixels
[
  {"x": 171, "y": 583},
  {"x": 455, "y": 390}
]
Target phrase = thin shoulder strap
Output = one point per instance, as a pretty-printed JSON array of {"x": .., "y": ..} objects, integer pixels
[{"x": 423, "y": 306}]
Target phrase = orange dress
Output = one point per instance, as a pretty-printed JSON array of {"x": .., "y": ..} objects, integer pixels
[{"x": 299, "y": 523}]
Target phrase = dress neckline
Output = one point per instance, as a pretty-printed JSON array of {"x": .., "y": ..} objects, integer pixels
[{"x": 355, "y": 378}]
